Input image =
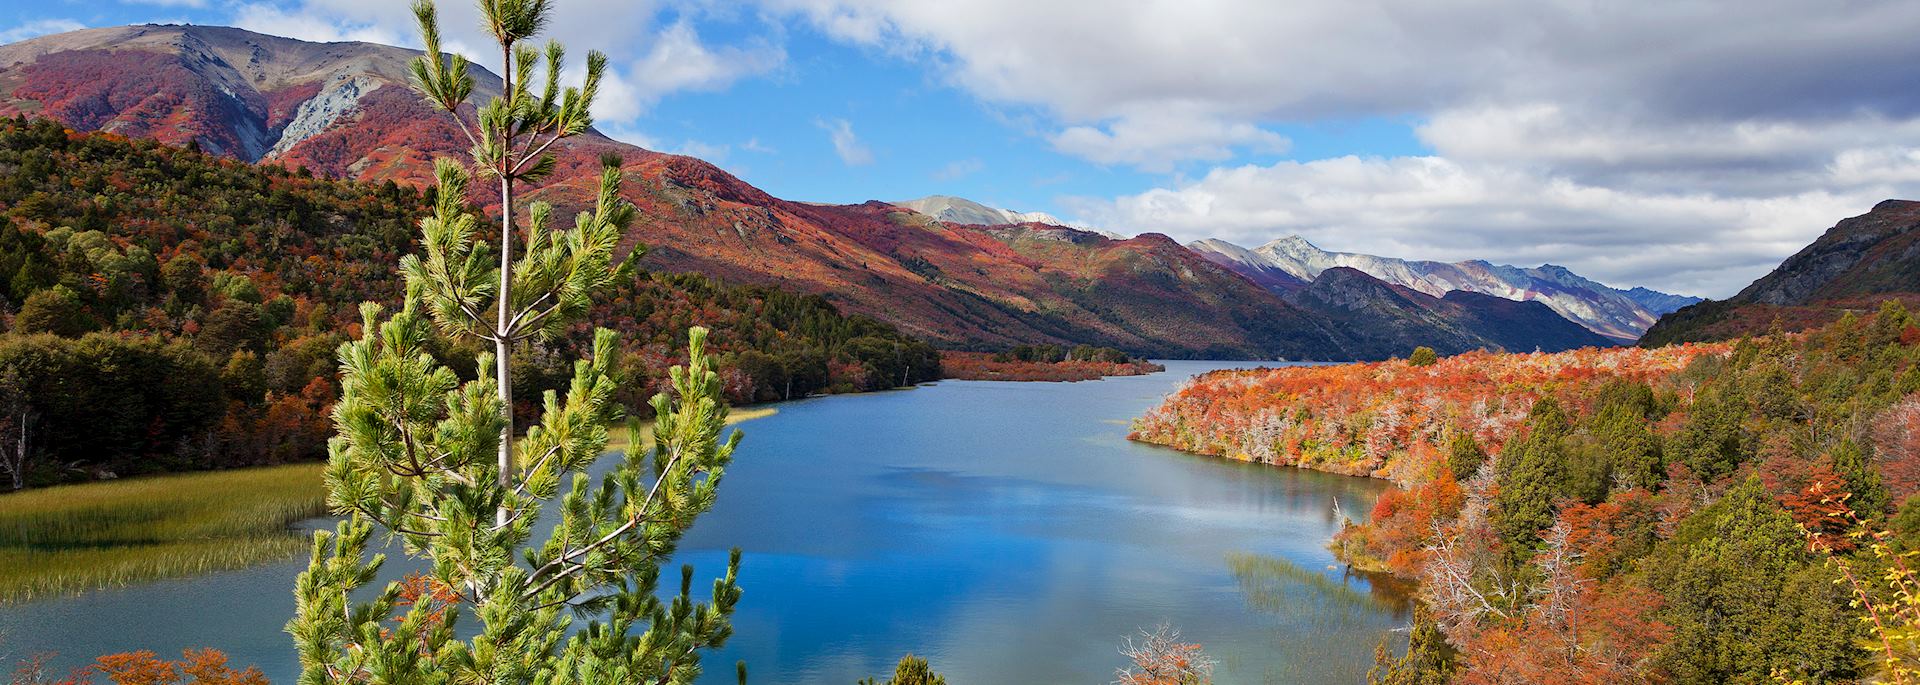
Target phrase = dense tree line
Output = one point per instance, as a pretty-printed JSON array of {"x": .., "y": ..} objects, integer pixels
[
  {"x": 1706, "y": 514},
  {"x": 1051, "y": 354},
  {"x": 163, "y": 309}
]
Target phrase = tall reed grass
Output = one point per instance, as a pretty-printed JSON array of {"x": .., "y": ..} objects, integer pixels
[{"x": 72, "y": 538}]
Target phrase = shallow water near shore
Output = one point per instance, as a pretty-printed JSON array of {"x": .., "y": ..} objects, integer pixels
[{"x": 1006, "y": 531}]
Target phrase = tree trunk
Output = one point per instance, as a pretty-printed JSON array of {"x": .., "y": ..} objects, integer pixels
[
  {"x": 17, "y": 463},
  {"x": 503, "y": 338}
]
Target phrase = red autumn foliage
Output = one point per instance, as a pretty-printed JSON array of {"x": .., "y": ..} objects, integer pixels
[
  {"x": 1604, "y": 638},
  {"x": 1604, "y": 535},
  {"x": 1362, "y": 419},
  {"x": 1405, "y": 521}
]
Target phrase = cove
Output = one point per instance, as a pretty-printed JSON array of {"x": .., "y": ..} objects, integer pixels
[{"x": 1006, "y": 531}]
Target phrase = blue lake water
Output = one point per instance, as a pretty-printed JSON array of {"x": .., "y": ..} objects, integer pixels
[{"x": 1006, "y": 531}]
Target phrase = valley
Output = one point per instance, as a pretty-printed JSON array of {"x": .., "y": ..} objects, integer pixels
[{"x": 537, "y": 342}]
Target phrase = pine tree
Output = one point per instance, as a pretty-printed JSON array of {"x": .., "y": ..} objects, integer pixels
[
  {"x": 911, "y": 670},
  {"x": 1869, "y": 495},
  {"x": 1715, "y": 440},
  {"x": 511, "y": 136},
  {"x": 1620, "y": 432},
  {"x": 436, "y": 463},
  {"x": 1464, "y": 455},
  {"x": 1745, "y": 597},
  {"x": 1429, "y": 659},
  {"x": 1532, "y": 474}
]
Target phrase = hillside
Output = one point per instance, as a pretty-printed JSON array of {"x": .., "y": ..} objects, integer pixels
[
  {"x": 1622, "y": 315},
  {"x": 1855, "y": 264},
  {"x": 1701, "y": 513},
  {"x": 1395, "y": 319},
  {"x": 164, "y": 309},
  {"x": 343, "y": 110}
]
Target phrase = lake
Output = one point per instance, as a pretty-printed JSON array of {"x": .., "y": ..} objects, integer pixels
[{"x": 1006, "y": 531}]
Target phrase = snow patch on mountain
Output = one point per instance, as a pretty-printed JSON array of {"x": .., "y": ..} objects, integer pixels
[
  {"x": 1612, "y": 312},
  {"x": 959, "y": 210}
]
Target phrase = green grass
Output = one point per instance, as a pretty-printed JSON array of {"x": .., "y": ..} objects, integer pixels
[{"x": 71, "y": 538}]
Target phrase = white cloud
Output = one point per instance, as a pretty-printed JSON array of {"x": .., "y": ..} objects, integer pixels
[
  {"x": 37, "y": 28},
  {"x": 1689, "y": 144},
  {"x": 647, "y": 62},
  {"x": 1157, "y": 140},
  {"x": 845, "y": 144},
  {"x": 677, "y": 60},
  {"x": 306, "y": 24},
  {"x": 959, "y": 168},
  {"x": 1742, "y": 158},
  {"x": 1436, "y": 208},
  {"x": 1089, "y": 60},
  {"x": 754, "y": 145},
  {"x": 715, "y": 153}
]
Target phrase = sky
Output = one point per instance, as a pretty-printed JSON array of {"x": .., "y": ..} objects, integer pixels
[{"x": 1682, "y": 145}]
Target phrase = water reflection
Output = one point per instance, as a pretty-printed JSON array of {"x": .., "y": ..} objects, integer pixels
[
  {"x": 1333, "y": 603},
  {"x": 1006, "y": 531}
]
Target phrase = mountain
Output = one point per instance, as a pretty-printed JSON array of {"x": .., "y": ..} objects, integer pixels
[
  {"x": 1396, "y": 318},
  {"x": 959, "y": 210},
  {"x": 1621, "y": 315},
  {"x": 1854, "y": 265},
  {"x": 1253, "y": 265},
  {"x": 1659, "y": 302},
  {"x": 344, "y": 110}
]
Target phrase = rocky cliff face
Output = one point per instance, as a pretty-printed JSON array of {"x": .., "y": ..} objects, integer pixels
[
  {"x": 1875, "y": 252},
  {"x": 233, "y": 92},
  {"x": 1854, "y": 265}
]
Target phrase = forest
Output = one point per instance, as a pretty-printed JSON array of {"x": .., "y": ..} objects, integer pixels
[
  {"x": 1721, "y": 513},
  {"x": 1044, "y": 363},
  {"x": 163, "y": 309}
]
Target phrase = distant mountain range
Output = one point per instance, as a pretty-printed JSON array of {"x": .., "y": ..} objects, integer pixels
[
  {"x": 956, "y": 272},
  {"x": 1288, "y": 263},
  {"x": 959, "y": 210},
  {"x": 1291, "y": 263},
  {"x": 1854, "y": 266}
]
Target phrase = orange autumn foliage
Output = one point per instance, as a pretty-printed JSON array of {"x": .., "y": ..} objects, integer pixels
[
  {"x": 435, "y": 597},
  {"x": 1363, "y": 419},
  {"x": 1604, "y": 638},
  {"x": 195, "y": 667},
  {"x": 1607, "y": 535},
  {"x": 1404, "y": 522}
]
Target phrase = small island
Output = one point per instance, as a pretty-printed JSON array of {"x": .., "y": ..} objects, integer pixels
[{"x": 1052, "y": 363}]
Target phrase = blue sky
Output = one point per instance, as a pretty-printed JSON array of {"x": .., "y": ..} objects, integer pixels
[{"x": 1687, "y": 146}]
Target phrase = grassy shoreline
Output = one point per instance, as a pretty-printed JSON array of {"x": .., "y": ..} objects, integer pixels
[
  {"x": 71, "y": 538},
  {"x": 68, "y": 539}
]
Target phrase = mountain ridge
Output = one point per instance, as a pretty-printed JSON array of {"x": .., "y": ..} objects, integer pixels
[
  {"x": 345, "y": 110},
  {"x": 1854, "y": 265},
  {"x": 1621, "y": 315}
]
